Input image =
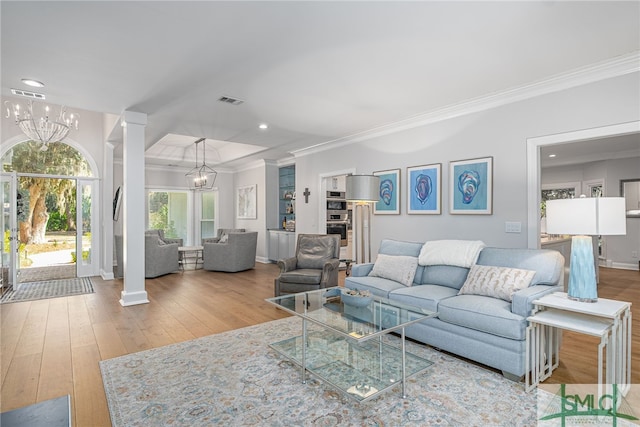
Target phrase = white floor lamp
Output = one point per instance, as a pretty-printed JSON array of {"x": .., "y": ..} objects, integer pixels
[
  {"x": 584, "y": 218},
  {"x": 363, "y": 190}
]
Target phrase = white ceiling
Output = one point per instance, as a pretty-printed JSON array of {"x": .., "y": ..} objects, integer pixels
[{"x": 314, "y": 71}]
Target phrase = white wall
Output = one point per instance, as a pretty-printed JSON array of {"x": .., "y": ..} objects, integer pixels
[
  {"x": 501, "y": 132},
  {"x": 255, "y": 174}
]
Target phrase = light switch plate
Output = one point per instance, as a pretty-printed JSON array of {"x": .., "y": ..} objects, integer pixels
[{"x": 512, "y": 227}]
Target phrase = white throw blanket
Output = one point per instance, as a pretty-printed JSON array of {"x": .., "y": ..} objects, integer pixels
[{"x": 461, "y": 253}]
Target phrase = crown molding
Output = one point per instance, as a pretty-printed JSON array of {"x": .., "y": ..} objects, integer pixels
[{"x": 615, "y": 67}]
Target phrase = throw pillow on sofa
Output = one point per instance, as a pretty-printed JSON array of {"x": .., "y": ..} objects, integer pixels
[
  {"x": 496, "y": 282},
  {"x": 399, "y": 268}
]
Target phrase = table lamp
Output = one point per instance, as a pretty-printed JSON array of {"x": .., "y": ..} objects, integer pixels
[
  {"x": 362, "y": 190},
  {"x": 582, "y": 218}
]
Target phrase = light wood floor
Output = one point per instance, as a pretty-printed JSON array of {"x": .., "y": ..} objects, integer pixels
[{"x": 52, "y": 347}]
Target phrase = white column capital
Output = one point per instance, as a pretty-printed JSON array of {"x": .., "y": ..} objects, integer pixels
[{"x": 133, "y": 117}]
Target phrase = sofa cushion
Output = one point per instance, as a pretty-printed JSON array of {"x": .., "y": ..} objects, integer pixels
[
  {"x": 424, "y": 296},
  {"x": 496, "y": 282},
  {"x": 400, "y": 268},
  {"x": 444, "y": 275},
  {"x": 486, "y": 314},
  {"x": 377, "y": 285},
  {"x": 397, "y": 247},
  {"x": 548, "y": 264},
  {"x": 306, "y": 276}
]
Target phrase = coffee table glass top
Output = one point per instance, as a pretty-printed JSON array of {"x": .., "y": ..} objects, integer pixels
[{"x": 359, "y": 320}]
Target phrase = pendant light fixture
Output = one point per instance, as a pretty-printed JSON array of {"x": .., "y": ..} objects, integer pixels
[{"x": 201, "y": 177}]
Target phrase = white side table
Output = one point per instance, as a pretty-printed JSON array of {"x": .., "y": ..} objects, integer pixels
[
  {"x": 608, "y": 319},
  {"x": 185, "y": 253}
]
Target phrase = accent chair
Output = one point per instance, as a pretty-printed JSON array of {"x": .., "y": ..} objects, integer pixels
[
  {"x": 314, "y": 266},
  {"x": 238, "y": 253}
]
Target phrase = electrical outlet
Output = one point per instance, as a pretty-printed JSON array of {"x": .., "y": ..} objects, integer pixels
[
  {"x": 634, "y": 254},
  {"x": 512, "y": 227}
]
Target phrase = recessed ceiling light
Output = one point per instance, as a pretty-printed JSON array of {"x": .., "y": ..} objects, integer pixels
[
  {"x": 552, "y": 155},
  {"x": 32, "y": 83},
  {"x": 263, "y": 126}
]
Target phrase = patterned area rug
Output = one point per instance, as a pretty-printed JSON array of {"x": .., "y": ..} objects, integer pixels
[
  {"x": 49, "y": 289},
  {"x": 235, "y": 379}
]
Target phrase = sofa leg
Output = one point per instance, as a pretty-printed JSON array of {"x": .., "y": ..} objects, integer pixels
[{"x": 512, "y": 377}]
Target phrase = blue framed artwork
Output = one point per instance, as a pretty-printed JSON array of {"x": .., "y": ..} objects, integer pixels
[
  {"x": 471, "y": 185},
  {"x": 389, "y": 201},
  {"x": 424, "y": 189}
]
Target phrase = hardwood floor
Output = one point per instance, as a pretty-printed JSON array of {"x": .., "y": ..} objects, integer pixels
[{"x": 52, "y": 347}]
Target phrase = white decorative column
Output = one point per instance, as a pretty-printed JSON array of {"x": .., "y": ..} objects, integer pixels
[
  {"x": 106, "y": 266},
  {"x": 133, "y": 208}
]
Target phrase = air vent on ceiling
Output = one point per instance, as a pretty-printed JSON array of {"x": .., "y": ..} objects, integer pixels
[
  {"x": 229, "y": 100},
  {"x": 27, "y": 94}
]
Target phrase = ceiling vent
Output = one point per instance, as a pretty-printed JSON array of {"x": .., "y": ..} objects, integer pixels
[
  {"x": 229, "y": 100},
  {"x": 27, "y": 94}
]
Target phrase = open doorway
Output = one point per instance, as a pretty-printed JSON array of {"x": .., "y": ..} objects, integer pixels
[{"x": 53, "y": 212}]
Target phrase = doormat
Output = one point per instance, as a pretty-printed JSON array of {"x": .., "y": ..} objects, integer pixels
[{"x": 49, "y": 289}]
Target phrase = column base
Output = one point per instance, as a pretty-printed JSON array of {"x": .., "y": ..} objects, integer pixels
[{"x": 133, "y": 298}]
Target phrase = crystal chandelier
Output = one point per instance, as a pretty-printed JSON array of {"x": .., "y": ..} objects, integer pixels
[
  {"x": 42, "y": 128},
  {"x": 201, "y": 177}
]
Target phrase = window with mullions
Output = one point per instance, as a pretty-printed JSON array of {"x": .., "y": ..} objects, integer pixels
[{"x": 167, "y": 210}]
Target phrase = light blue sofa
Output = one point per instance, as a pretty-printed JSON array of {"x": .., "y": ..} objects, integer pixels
[{"x": 487, "y": 330}]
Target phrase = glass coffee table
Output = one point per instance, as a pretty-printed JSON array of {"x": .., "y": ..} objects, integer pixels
[{"x": 342, "y": 344}]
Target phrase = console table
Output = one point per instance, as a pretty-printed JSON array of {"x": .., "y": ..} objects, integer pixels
[{"x": 610, "y": 320}]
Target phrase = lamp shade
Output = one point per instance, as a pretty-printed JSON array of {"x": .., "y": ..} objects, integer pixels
[
  {"x": 587, "y": 216},
  {"x": 363, "y": 188}
]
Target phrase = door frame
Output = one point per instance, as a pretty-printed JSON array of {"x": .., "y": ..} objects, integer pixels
[
  {"x": 14, "y": 265},
  {"x": 533, "y": 166}
]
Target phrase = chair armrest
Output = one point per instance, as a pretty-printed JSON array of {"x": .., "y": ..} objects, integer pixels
[
  {"x": 170, "y": 241},
  {"x": 287, "y": 264},
  {"x": 331, "y": 265},
  {"x": 361, "y": 270},
  {"x": 522, "y": 302}
]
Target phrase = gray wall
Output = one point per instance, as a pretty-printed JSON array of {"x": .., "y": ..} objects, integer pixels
[{"x": 500, "y": 132}]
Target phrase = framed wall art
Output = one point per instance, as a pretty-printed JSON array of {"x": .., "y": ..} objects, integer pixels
[
  {"x": 389, "y": 201},
  {"x": 424, "y": 189},
  {"x": 471, "y": 186},
  {"x": 246, "y": 202}
]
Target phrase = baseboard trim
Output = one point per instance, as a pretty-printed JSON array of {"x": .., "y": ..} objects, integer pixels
[
  {"x": 107, "y": 275},
  {"x": 263, "y": 260},
  {"x": 625, "y": 266}
]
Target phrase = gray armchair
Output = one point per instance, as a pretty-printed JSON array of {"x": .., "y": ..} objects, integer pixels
[
  {"x": 238, "y": 253},
  {"x": 222, "y": 232},
  {"x": 159, "y": 258},
  {"x": 160, "y": 234},
  {"x": 315, "y": 265}
]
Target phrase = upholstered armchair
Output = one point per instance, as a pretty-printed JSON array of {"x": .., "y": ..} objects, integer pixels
[
  {"x": 238, "y": 253},
  {"x": 160, "y": 234},
  {"x": 222, "y": 232},
  {"x": 159, "y": 257},
  {"x": 314, "y": 266}
]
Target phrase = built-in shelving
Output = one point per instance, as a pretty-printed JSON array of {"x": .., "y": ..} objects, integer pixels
[{"x": 287, "y": 190}]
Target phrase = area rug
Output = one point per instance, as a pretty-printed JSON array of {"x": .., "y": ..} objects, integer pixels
[
  {"x": 49, "y": 289},
  {"x": 236, "y": 379}
]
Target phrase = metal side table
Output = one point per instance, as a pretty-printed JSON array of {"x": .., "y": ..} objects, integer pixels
[{"x": 608, "y": 319}]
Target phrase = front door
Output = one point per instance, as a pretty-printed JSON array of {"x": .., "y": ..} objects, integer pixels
[
  {"x": 87, "y": 250},
  {"x": 9, "y": 223}
]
